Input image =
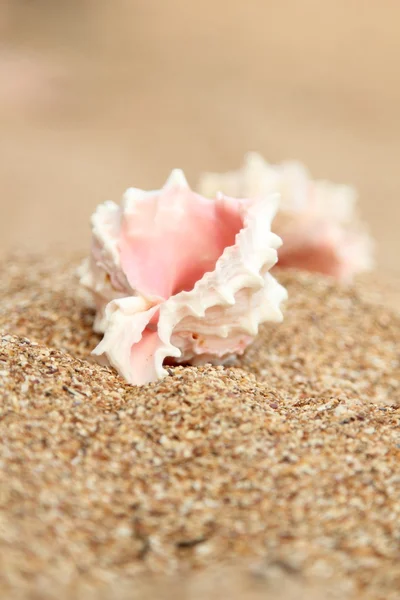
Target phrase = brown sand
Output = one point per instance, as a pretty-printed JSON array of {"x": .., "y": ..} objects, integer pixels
[{"x": 286, "y": 466}]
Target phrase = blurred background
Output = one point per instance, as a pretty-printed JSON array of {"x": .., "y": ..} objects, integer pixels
[{"x": 99, "y": 95}]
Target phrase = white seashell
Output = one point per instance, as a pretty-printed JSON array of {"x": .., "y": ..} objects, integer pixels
[
  {"x": 175, "y": 275},
  {"x": 317, "y": 220}
]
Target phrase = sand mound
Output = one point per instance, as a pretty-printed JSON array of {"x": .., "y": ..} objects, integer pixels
[{"x": 287, "y": 461}]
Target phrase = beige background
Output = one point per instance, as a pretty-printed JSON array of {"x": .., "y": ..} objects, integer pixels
[{"x": 99, "y": 95}]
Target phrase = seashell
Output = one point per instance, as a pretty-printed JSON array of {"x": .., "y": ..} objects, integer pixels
[
  {"x": 179, "y": 276},
  {"x": 317, "y": 220}
]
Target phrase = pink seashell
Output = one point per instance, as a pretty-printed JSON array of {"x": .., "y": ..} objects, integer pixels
[
  {"x": 178, "y": 276},
  {"x": 316, "y": 219}
]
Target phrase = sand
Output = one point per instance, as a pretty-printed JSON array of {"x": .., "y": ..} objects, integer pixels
[{"x": 276, "y": 477}]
